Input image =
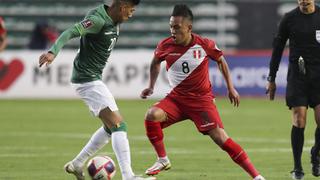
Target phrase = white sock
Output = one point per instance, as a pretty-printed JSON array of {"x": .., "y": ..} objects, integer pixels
[
  {"x": 120, "y": 145},
  {"x": 96, "y": 142},
  {"x": 164, "y": 159},
  {"x": 259, "y": 177}
]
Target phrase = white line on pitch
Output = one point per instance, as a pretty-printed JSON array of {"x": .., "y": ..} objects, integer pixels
[
  {"x": 141, "y": 151},
  {"x": 144, "y": 138}
]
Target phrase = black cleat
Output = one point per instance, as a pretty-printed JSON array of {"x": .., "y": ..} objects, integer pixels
[
  {"x": 315, "y": 159},
  {"x": 297, "y": 174}
]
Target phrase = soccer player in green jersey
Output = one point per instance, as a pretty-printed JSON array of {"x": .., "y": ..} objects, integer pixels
[{"x": 99, "y": 32}]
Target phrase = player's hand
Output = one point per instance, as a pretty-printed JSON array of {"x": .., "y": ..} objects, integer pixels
[
  {"x": 46, "y": 58},
  {"x": 146, "y": 92},
  {"x": 234, "y": 97},
  {"x": 271, "y": 90}
]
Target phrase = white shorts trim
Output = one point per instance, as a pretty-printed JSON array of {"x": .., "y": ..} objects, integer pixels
[{"x": 96, "y": 95}]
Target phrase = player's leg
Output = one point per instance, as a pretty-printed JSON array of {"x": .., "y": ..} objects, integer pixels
[
  {"x": 93, "y": 94},
  {"x": 154, "y": 132},
  {"x": 157, "y": 117},
  {"x": 314, "y": 102},
  {"x": 299, "y": 115},
  {"x": 235, "y": 151},
  {"x": 315, "y": 159},
  {"x": 208, "y": 122},
  {"x": 96, "y": 142},
  {"x": 102, "y": 104},
  {"x": 120, "y": 143},
  {"x": 297, "y": 101}
]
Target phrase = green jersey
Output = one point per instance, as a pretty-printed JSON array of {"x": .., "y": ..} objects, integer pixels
[{"x": 98, "y": 36}]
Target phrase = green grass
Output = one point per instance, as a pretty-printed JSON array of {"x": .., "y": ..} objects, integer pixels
[{"x": 37, "y": 137}]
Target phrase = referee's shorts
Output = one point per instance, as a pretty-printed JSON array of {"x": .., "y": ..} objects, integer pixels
[{"x": 303, "y": 90}]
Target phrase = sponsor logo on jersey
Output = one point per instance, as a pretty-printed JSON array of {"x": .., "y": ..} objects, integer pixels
[
  {"x": 86, "y": 23},
  {"x": 318, "y": 35},
  {"x": 174, "y": 54},
  {"x": 108, "y": 33}
]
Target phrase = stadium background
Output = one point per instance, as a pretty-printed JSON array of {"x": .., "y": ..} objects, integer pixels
[{"x": 35, "y": 132}]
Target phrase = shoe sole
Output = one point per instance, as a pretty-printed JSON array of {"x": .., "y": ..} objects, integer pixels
[
  {"x": 67, "y": 170},
  {"x": 314, "y": 174},
  {"x": 153, "y": 173}
]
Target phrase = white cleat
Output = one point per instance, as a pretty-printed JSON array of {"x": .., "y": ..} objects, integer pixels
[
  {"x": 158, "y": 166},
  {"x": 259, "y": 177},
  {"x": 143, "y": 178},
  {"x": 70, "y": 168}
]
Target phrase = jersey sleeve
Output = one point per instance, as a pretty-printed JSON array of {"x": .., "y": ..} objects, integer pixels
[
  {"x": 65, "y": 36},
  {"x": 90, "y": 25},
  {"x": 212, "y": 49},
  {"x": 159, "y": 52},
  {"x": 279, "y": 43}
]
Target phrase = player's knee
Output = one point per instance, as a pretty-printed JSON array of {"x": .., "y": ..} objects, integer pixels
[
  {"x": 155, "y": 114},
  {"x": 122, "y": 126},
  {"x": 110, "y": 118},
  {"x": 317, "y": 114},
  {"x": 299, "y": 120},
  {"x": 218, "y": 135}
]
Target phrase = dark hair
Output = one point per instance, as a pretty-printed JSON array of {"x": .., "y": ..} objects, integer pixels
[
  {"x": 135, "y": 2},
  {"x": 182, "y": 10}
]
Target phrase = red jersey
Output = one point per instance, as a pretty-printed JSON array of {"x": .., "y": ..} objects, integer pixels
[
  {"x": 188, "y": 66},
  {"x": 2, "y": 27}
]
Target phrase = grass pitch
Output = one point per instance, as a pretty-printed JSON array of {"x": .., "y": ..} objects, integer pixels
[{"x": 37, "y": 137}]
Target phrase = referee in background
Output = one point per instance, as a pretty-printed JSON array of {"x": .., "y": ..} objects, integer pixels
[{"x": 302, "y": 27}]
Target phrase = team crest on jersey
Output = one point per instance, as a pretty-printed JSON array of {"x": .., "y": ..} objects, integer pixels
[
  {"x": 197, "y": 54},
  {"x": 318, "y": 35},
  {"x": 86, "y": 23}
]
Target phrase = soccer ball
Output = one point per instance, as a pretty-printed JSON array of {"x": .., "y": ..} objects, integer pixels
[{"x": 101, "y": 168}]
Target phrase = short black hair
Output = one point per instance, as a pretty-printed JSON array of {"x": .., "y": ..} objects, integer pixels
[
  {"x": 135, "y": 2},
  {"x": 182, "y": 10}
]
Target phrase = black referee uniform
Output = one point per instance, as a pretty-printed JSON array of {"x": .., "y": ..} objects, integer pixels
[
  {"x": 303, "y": 32},
  {"x": 303, "y": 78}
]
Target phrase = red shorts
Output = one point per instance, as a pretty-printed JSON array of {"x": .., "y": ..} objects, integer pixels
[{"x": 203, "y": 113}]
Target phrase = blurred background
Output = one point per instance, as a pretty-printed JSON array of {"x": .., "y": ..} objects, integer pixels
[
  {"x": 243, "y": 29},
  {"x": 233, "y": 24},
  {"x": 43, "y": 123}
]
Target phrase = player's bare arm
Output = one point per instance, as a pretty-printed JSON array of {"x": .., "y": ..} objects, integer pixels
[
  {"x": 154, "y": 72},
  {"x": 232, "y": 92},
  {"x": 3, "y": 42},
  {"x": 271, "y": 90}
]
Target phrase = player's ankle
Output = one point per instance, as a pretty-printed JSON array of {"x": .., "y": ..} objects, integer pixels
[
  {"x": 165, "y": 159},
  {"x": 77, "y": 164}
]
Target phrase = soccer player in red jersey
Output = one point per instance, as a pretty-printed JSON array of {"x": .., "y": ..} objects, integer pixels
[
  {"x": 3, "y": 35},
  {"x": 187, "y": 56}
]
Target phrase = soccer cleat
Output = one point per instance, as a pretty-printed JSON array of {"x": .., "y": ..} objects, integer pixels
[
  {"x": 259, "y": 177},
  {"x": 70, "y": 168},
  {"x": 297, "y": 174},
  {"x": 315, "y": 165},
  {"x": 158, "y": 166},
  {"x": 143, "y": 178}
]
